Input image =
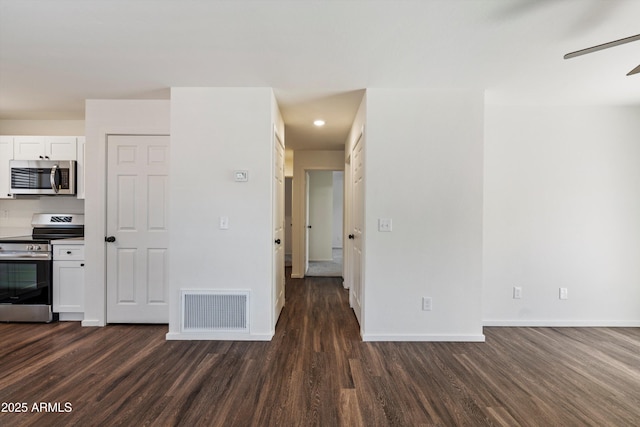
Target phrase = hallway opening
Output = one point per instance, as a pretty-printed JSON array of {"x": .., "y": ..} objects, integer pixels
[{"x": 324, "y": 223}]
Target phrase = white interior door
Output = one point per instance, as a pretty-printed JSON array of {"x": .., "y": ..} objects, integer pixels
[
  {"x": 137, "y": 220},
  {"x": 357, "y": 211},
  {"x": 307, "y": 226},
  {"x": 278, "y": 228},
  {"x": 347, "y": 225}
]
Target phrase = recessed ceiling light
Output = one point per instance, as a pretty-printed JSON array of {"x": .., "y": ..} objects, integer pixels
[{"x": 318, "y": 123}]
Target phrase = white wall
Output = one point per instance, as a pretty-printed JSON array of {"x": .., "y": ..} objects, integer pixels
[
  {"x": 320, "y": 215},
  {"x": 562, "y": 209},
  {"x": 423, "y": 169},
  {"x": 307, "y": 161},
  {"x": 104, "y": 117},
  {"x": 215, "y": 131},
  {"x": 42, "y": 127}
]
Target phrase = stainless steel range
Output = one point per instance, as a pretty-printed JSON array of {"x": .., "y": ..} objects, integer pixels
[{"x": 26, "y": 268}]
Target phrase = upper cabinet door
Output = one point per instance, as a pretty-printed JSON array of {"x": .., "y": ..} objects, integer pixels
[
  {"x": 61, "y": 147},
  {"x": 28, "y": 148},
  {"x": 45, "y": 147}
]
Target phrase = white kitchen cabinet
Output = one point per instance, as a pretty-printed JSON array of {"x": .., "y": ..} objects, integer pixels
[
  {"x": 45, "y": 147},
  {"x": 80, "y": 168},
  {"x": 6, "y": 154},
  {"x": 68, "y": 278}
]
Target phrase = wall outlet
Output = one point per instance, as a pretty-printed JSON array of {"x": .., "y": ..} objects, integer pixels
[
  {"x": 564, "y": 293},
  {"x": 517, "y": 292},
  {"x": 426, "y": 304},
  {"x": 224, "y": 223}
]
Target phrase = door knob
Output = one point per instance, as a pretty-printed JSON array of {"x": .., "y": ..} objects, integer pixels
[
  {"x": 277, "y": 241},
  {"x": 351, "y": 236},
  {"x": 308, "y": 226},
  {"x": 110, "y": 239}
]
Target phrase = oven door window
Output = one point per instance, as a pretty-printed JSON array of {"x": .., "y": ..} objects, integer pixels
[{"x": 25, "y": 282}]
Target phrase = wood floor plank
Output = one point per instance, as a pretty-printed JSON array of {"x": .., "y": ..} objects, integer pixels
[{"x": 317, "y": 372}]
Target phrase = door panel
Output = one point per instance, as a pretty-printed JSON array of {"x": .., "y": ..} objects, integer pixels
[
  {"x": 158, "y": 189},
  {"x": 357, "y": 209},
  {"x": 278, "y": 231},
  {"x": 126, "y": 199},
  {"x": 137, "y": 214},
  {"x": 157, "y": 275},
  {"x": 126, "y": 276}
]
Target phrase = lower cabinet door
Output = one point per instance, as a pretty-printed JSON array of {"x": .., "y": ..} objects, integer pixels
[{"x": 68, "y": 286}]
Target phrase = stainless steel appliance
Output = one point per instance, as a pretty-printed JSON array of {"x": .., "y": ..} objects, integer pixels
[
  {"x": 49, "y": 177},
  {"x": 26, "y": 268}
]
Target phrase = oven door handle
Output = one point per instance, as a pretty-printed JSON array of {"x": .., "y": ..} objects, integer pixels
[
  {"x": 52, "y": 178},
  {"x": 24, "y": 256}
]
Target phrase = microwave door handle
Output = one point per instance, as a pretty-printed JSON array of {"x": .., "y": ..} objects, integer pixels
[{"x": 52, "y": 178}]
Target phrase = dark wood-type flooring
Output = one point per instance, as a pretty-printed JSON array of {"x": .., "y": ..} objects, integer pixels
[{"x": 317, "y": 372}]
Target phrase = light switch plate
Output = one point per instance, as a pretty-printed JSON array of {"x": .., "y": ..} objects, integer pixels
[
  {"x": 517, "y": 292},
  {"x": 385, "y": 224}
]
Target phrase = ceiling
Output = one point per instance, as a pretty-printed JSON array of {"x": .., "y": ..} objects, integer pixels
[{"x": 319, "y": 56}]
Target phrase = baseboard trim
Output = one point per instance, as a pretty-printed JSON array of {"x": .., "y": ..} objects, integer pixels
[
  {"x": 211, "y": 336},
  {"x": 563, "y": 323},
  {"x": 297, "y": 276},
  {"x": 92, "y": 323},
  {"x": 71, "y": 317},
  {"x": 425, "y": 338}
]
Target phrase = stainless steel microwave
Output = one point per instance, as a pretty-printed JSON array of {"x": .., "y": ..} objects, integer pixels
[{"x": 49, "y": 177}]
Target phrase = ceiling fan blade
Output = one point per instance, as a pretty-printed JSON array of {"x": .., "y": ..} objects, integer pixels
[
  {"x": 634, "y": 71},
  {"x": 602, "y": 46}
]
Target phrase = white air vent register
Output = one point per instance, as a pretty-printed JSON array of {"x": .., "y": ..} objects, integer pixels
[{"x": 214, "y": 311}]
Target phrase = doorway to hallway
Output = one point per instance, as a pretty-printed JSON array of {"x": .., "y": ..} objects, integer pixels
[{"x": 324, "y": 225}]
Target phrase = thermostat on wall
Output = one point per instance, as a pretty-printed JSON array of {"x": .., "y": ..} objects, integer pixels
[{"x": 241, "y": 176}]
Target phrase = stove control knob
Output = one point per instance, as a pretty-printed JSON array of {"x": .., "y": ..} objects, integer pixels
[
  {"x": 29, "y": 247},
  {"x": 36, "y": 247}
]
